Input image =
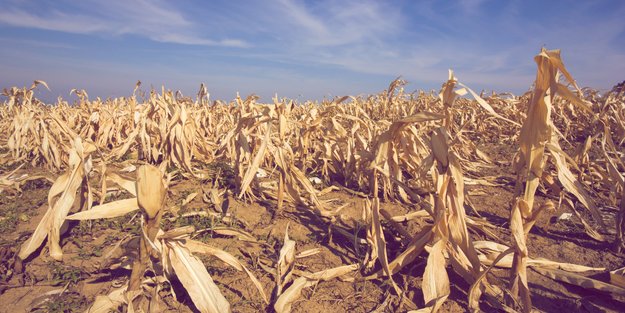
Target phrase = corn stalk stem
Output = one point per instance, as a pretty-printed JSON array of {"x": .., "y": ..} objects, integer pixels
[{"x": 140, "y": 264}]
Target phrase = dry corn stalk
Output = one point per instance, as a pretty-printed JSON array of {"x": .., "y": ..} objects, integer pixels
[
  {"x": 285, "y": 264},
  {"x": 537, "y": 133},
  {"x": 174, "y": 249},
  {"x": 449, "y": 235},
  {"x": 61, "y": 198},
  {"x": 151, "y": 192}
]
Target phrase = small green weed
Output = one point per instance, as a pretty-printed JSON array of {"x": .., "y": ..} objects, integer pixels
[
  {"x": 223, "y": 173},
  {"x": 61, "y": 274},
  {"x": 89, "y": 252}
]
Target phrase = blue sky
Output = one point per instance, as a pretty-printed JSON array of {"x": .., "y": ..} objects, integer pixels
[{"x": 303, "y": 49}]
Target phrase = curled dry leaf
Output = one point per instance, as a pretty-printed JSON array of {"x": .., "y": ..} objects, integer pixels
[
  {"x": 108, "y": 210},
  {"x": 193, "y": 275},
  {"x": 579, "y": 280},
  {"x": 435, "y": 280},
  {"x": 150, "y": 189},
  {"x": 291, "y": 294},
  {"x": 198, "y": 247}
]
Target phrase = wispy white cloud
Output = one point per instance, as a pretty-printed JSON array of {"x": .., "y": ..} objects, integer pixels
[
  {"x": 334, "y": 23},
  {"x": 193, "y": 40},
  {"x": 53, "y": 21},
  {"x": 156, "y": 20}
]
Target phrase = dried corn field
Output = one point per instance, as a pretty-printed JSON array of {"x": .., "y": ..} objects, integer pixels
[{"x": 395, "y": 202}]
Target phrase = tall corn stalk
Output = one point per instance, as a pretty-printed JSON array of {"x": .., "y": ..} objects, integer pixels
[{"x": 537, "y": 133}]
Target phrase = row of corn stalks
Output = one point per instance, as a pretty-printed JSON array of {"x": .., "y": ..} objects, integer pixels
[{"x": 418, "y": 149}]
